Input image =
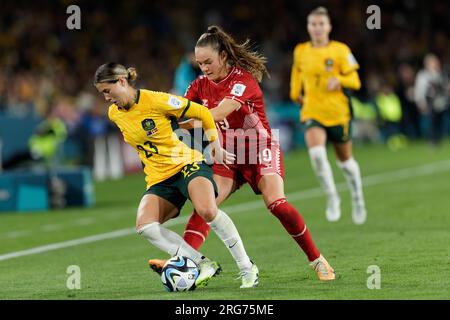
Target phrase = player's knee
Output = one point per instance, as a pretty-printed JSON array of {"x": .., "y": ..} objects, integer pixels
[
  {"x": 146, "y": 227},
  {"x": 143, "y": 220},
  {"x": 318, "y": 153},
  {"x": 196, "y": 222},
  {"x": 208, "y": 213},
  {"x": 270, "y": 199}
]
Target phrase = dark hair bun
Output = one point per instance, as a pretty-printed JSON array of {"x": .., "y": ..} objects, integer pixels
[{"x": 212, "y": 29}]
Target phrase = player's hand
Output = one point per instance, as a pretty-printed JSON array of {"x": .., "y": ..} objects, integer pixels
[
  {"x": 300, "y": 100},
  {"x": 333, "y": 84},
  {"x": 222, "y": 156}
]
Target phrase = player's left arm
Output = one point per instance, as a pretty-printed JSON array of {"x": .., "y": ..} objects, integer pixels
[
  {"x": 348, "y": 77},
  {"x": 180, "y": 107},
  {"x": 225, "y": 107},
  {"x": 202, "y": 113},
  {"x": 350, "y": 80}
]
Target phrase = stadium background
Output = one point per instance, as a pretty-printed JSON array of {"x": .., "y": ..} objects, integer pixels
[
  {"x": 45, "y": 66},
  {"x": 46, "y": 70}
]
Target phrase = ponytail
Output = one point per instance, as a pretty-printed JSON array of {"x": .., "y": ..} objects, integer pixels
[
  {"x": 132, "y": 74},
  {"x": 240, "y": 55}
]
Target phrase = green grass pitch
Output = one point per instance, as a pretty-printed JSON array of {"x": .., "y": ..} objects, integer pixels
[{"x": 406, "y": 235}]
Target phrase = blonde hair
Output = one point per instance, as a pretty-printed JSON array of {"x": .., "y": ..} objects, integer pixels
[
  {"x": 320, "y": 11},
  {"x": 239, "y": 55},
  {"x": 111, "y": 72}
]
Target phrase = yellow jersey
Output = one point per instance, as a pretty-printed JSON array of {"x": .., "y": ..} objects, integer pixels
[
  {"x": 147, "y": 127},
  {"x": 311, "y": 70}
]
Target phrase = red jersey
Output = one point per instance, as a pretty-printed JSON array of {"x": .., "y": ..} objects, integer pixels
[
  {"x": 249, "y": 120},
  {"x": 259, "y": 155}
]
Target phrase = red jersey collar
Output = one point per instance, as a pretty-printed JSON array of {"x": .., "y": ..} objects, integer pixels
[{"x": 224, "y": 79}]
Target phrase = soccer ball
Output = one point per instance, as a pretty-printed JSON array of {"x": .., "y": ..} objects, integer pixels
[{"x": 179, "y": 274}]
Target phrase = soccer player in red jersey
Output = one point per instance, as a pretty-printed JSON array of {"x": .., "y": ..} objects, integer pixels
[{"x": 229, "y": 88}]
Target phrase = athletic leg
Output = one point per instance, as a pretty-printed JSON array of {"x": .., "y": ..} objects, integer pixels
[
  {"x": 201, "y": 193},
  {"x": 316, "y": 141},
  {"x": 352, "y": 175},
  {"x": 272, "y": 188},
  {"x": 153, "y": 211},
  {"x": 197, "y": 229}
]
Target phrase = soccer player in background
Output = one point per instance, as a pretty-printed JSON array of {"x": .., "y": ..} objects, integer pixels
[
  {"x": 229, "y": 88},
  {"x": 321, "y": 70},
  {"x": 174, "y": 172}
]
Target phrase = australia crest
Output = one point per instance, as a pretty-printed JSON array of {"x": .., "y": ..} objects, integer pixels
[{"x": 149, "y": 126}]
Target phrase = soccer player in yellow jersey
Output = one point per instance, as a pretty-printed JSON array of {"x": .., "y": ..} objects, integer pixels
[
  {"x": 174, "y": 172},
  {"x": 322, "y": 68}
]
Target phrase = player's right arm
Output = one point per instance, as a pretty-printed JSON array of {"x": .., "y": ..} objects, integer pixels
[
  {"x": 245, "y": 89},
  {"x": 296, "y": 77},
  {"x": 225, "y": 107}
]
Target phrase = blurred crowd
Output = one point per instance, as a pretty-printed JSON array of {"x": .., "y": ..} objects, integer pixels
[{"x": 48, "y": 69}]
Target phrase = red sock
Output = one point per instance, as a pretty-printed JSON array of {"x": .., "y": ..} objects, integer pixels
[
  {"x": 196, "y": 231},
  {"x": 293, "y": 222}
]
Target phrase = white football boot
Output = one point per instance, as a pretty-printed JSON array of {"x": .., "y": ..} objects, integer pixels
[
  {"x": 250, "y": 278},
  {"x": 208, "y": 269},
  {"x": 359, "y": 212},
  {"x": 333, "y": 211}
]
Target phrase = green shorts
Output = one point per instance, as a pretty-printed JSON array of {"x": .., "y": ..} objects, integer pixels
[
  {"x": 336, "y": 134},
  {"x": 175, "y": 188}
]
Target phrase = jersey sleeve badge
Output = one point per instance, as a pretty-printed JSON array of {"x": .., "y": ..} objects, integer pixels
[
  {"x": 351, "y": 60},
  {"x": 175, "y": 102},
  {"x": 238, "y": 89}
]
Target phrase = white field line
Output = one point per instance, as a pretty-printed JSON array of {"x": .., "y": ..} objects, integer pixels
[
  {"x": 49, "y": 228},
  {"x": 392, "y": 176},
  {"x": 17, "y": 234}
]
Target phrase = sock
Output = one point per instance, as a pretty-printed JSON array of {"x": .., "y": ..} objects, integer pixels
[
  {"x": 227, "y": 232},
  {"x": 196, "y": 231},
  {"x": 293, "y": 222},
  {"x": 322, "y": 169},
  {"x": 352, "y": 175},
  {"x": 168, "y": 241}
]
